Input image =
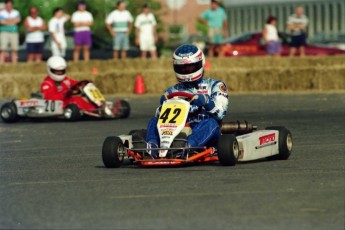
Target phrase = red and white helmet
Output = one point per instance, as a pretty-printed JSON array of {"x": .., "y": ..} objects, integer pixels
[
  {"x": 189, "y": 62},
  {"x": 56, "y": 68}
]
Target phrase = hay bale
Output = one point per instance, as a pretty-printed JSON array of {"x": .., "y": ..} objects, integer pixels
[{"x": 240, "y": 74}]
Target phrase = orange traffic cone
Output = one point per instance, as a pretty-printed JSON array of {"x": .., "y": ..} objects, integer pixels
[
  {"x": 207, "y": 65},
  {"x": 139, "y": 87},
  {"x": 94, "y": 70}
]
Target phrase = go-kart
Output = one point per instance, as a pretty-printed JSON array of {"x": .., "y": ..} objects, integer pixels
[
  {"x": 239, "y": 142},
  {"x": 84, "y": 98}
]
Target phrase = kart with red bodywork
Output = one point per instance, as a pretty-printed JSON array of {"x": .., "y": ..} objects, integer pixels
[
  {"x": 240, "y": 141},
  {"x": 84, "y": 99}
]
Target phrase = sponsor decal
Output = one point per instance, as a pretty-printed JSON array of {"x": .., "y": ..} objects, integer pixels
[
  {"x": 267, "y": 138},
  {"x": 165, "y": 143},
  {"x": 168, "y": 126},
  {"x": 185, "y": 54},
  {"x": 165, "y": 138},
  {"x": 28, "y": 103},
  {"x": 167, "y": 132},
  {"x": 45, "y": 87},
  {"x": 222, "y": 88}
]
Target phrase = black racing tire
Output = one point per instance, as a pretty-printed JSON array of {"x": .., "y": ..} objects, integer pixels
[
  {"x": 113, "y": 152},
  {"x": 125, "y": 109},
  {"x": 8, "y": 112},
  {"x": 72, "y": 112},
  {"x": 284, "y": 143},
  {"x": 228, "y": 150}
]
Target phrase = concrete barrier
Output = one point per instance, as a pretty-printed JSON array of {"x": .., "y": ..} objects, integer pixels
[{"x": 240, "y": 74}]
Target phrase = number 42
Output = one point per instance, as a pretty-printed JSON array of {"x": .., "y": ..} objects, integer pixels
[{"x": 165, "y": 115}]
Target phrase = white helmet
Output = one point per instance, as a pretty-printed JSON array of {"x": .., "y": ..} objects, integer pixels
[
  {"x": 189, "y": 62},
  {"x": 56, "y": 67}
]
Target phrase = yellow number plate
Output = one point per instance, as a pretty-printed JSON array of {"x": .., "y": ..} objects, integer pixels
[
  {"x": 96, "y": 94},
  {"x": 172, "y": 114}
]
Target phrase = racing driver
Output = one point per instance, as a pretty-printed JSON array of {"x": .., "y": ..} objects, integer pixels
[
  {"x": 209, "y": 99},
  {"x": 58, "y": 86}
]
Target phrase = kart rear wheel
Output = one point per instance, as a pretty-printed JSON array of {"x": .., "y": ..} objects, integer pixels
[
  {"x": 228, "y": 150},
  {"x": 125, "y": 109},
  {"x": 113, "y": 152},
  {"x": 72, "y": 112},
  {"x": 8, "y": 112},
  {"x": 284, "y": 143}
]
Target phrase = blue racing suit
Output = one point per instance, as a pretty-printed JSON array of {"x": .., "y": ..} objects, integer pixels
[{"x": 205, "y": 124}]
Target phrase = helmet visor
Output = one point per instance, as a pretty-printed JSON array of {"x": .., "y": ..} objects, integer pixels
[
  {"x": 58, "y": 71},
  {"x": 185, "y": 69}
]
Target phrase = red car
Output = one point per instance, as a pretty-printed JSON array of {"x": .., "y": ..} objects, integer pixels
[{"x": 252, "y": 44}]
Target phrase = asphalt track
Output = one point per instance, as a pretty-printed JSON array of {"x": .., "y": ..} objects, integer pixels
[{"x": 52, "y": 177}]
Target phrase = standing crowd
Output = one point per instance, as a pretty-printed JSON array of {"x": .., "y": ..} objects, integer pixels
[{"x": 119, "y": 24}]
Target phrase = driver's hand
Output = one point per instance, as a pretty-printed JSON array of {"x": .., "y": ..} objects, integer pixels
[
  {"x": 163, "y": 99},
  {"x": 199, "y": 100}
]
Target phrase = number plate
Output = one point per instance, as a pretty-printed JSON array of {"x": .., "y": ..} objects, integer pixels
[
  {"x": 172, "y": 114},
  {"x": 93, "y": 93}
]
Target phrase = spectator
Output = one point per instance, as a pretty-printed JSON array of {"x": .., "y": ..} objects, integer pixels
[
  {"x": 216, "y": 20},
  {"x": 9, "y": 35},
  {"x": 82, "y": 21},
  {"x": 297, "y": 24},
  {"x": 271, "y": 38},
  {"x": 34, "y": 26},
  {"x": 57, "y": 32},
  {"x": 146, "y": 33},
  {"x": 119, "y": 24}
]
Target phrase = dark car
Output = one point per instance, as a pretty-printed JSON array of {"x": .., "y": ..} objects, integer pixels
[
  {"x": 252, "y": 44},
  {"x": 100, "y": 49}
]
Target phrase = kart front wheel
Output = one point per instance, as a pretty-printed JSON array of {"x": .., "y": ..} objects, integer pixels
[
  {"x": 228, "y": 150},
  {"x": 8, "y": 112},
  {"x": 113, "y": 152},
  {"x": 284, "y": 143},
  {"x": 72, "y": 112}
]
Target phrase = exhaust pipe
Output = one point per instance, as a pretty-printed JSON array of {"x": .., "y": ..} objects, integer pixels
[{"x": 237, "y": 127}]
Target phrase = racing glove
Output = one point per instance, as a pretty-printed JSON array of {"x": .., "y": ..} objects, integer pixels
[
  {"x": 163, "y": 99},
  {"x": 203, "y": 100}
]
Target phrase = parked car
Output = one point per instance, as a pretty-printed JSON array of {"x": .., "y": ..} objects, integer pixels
[
  {"x": 100, "y": 49},
  {"x": 252, "y": 44},
  {"x": 331, "y": 40}
]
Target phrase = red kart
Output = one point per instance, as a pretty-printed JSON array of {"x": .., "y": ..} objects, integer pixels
[{"x": 84, "y": 99}]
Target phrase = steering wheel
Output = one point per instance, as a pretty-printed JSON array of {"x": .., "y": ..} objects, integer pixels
[
  {"x": 183, "y": 95},
  {"x": 77, "y": 88},
  {"x": 188, "y": 97}
]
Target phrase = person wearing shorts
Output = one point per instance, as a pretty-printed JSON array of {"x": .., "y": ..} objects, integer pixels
[
  {"x": 9, "y": 36},
  {"x": 297, "y": 24},
  {"x": 82, "y": 21},
  {"x": 271, "y": 38},
  {"x": 216, "y": 20},
  {"x": 119, "y": 24},
  {"x": 146, "y": 33},
  {"x": 57, "y": 32},
  {"x": 34, "y": 26}
]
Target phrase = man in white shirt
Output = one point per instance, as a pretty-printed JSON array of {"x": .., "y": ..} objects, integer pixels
[
  {"x": 297, "y": 24},
  {"x": 57, "y": 32},
  {"x": 146, "y": 33},
  {"x": 119, "y": 24},
  {"x": 9, "y": 36},
  {"x": 82, "y": 21}
]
